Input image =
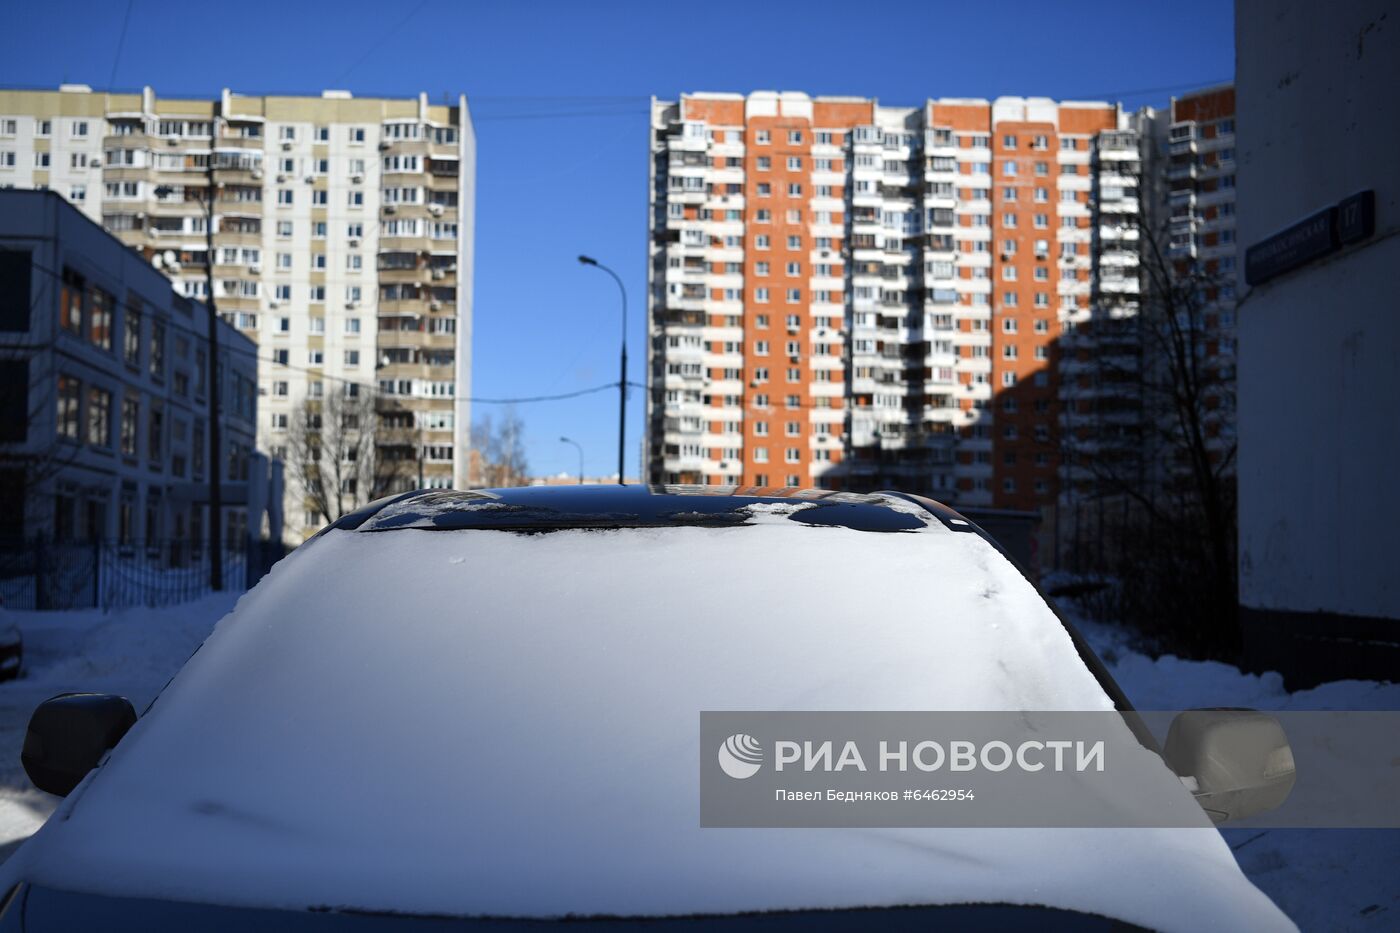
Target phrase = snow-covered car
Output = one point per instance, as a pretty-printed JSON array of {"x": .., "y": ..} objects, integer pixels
[{"x": 470, "y": 708}]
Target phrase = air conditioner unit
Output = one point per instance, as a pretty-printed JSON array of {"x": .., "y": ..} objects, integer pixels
[
  {"x": 435, "y": 306},
  {"x": 255, "y": 269},
  {"x": 310, "y": 179},
  {"x": 274, "y": 304},
  {"x": 95, "y": 163},
  {"x": 437, "y": 274},
  {"x": 383, "y": 144},
  {"x": 172, "y": 142},
  {"x": 354, "y": 242},
  {"x": 287, "y": 146},
  {"x": 257, "y": 173},
  {"x": 357, "y": 178},
  {"x": 390, "y": 209},
  {"x": 351, "y": 305},
  {"x": 281, "y": 177},
  {"x": 435, "y": 210},
  {"x": 794, "y": 359}
]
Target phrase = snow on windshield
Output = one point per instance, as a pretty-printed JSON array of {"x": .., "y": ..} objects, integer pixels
[{"x": 482, "y": 722}]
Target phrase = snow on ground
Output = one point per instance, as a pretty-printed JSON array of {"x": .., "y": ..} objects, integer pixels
[
  {"x": 1325, "y": 879},
  {"x": 133, "y": 653}
]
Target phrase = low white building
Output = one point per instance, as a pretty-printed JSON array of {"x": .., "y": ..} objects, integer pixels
[
  {"x": 104, "y": 395},
  {"x": 1319, "y": 336}
]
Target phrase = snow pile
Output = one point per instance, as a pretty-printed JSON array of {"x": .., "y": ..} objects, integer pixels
[
  {"x": 132, "y": 653},
  {"x": 531, "y": 704},
  {"x": 1324, "y": 879}
]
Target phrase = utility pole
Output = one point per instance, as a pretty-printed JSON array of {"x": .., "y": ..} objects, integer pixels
[
  {"x": 216, "y": 494},
  {"x": 622, "y": 376}
]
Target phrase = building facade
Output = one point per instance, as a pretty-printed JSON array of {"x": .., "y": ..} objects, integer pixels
[
  {"x": 341, "y": 244},
  {"x": 854, "y": 296},
  {"x": 1319, "y": 360},
  {"x": 104, "y": 383}
]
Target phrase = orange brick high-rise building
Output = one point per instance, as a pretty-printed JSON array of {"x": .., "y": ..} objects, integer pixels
[{"x": 854, "y": 296}]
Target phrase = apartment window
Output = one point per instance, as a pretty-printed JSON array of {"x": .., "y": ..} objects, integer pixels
[
  {"x": 763, "y": 216},
  {"x": 352, "y": 357},
  {"x": 760, "y": 348},
  {"x": 794, "y": 163},
  {"x": 794, "y": 296},
  {"x": 1008, "y": 325},
  {"x": 764, "y": 163},
  {"x": 794, "y": 216},
  {"x": 79, "y": 128},
  {"x": 284, "y": 197},
  {"x": 1009, "y": 221},
  {"x": 760, "y": 455},
  {"x": 317, "y": 324},
  {"x": 794, "y": 242},
  {"x": 794, "y": 268},
  {"x": 131, "y": 336},
  {"x": 99, "y": 417},
  {"x": 761, "y": 241},
  {"x": 1068, "y": 144},
  {"x": 1042, "y": 221},
  {"x": 1040, "y": 142},
  {"x": 1008, "y": 142},
  {"x": 355, "y": 198},
  {"x": 794, "y": 190},
  {"x": 760, "y": 295},
  {"x": 1008, "y": 273},
  {"x": 762, "y": 137},
  {"x": 70, "y": 310},
  {"x": 764, "y": 190},
  {"x": 760, "y": 268},
  {"x": 69, "y": 399},
  {"x": 77, "y": 193},
  {"x": 100, "y": 320},
  {"x": 319, "y": 196}
]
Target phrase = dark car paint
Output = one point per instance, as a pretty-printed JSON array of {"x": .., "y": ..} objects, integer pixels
[{"x": 35, "y": 909}]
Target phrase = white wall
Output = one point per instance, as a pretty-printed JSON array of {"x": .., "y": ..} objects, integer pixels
[{"x": 1319, "y": 348}]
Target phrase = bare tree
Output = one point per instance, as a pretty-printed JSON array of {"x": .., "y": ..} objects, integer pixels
[
  {"x": 500, "y": 449},
  {"x": 1163, "y": 480},
  {"x": 344, "y": 455}
]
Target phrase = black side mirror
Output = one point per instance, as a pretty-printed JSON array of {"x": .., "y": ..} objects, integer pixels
[{"x": 68, "y": 735}]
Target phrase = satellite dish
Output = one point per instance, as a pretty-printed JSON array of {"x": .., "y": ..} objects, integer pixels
[
  {"x": 169, "y": 257},
  {"x": 156, "y": 260}
]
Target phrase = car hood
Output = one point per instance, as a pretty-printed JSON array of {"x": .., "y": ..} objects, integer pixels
[{"x": 489, "y": 723}]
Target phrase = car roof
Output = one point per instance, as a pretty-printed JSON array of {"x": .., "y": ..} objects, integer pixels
[{"x": 550, "y": 508}]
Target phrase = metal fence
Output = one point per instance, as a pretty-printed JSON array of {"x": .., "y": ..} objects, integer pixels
[{"x": 106, "y": 575}]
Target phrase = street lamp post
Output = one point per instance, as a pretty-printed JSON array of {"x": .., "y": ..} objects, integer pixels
[
  {"x": 216, "y": 495},
  {"x": 622, "y": 376},
  {"x": 566, "y": 440}
]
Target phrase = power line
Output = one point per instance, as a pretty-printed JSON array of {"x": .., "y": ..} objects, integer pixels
[
  {"x": 373, "y": 389},
  {"x": 121, "y": 42},
  {"x": 383, "y": 38}
]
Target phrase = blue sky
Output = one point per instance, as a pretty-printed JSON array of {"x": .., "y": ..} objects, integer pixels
[{"x": 559, "y": 94}]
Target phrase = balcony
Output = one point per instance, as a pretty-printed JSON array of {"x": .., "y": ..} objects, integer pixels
[{"x": 1182, "y": 171}]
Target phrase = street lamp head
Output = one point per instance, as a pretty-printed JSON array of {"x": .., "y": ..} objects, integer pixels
[
  {"x": 565, "y": 440},
  {"x": 588, "y": 261}
]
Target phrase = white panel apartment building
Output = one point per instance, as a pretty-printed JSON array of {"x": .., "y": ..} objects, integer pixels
[
  {"x": 854, "y": 296},
  {"x": 342, "y": 239}
]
